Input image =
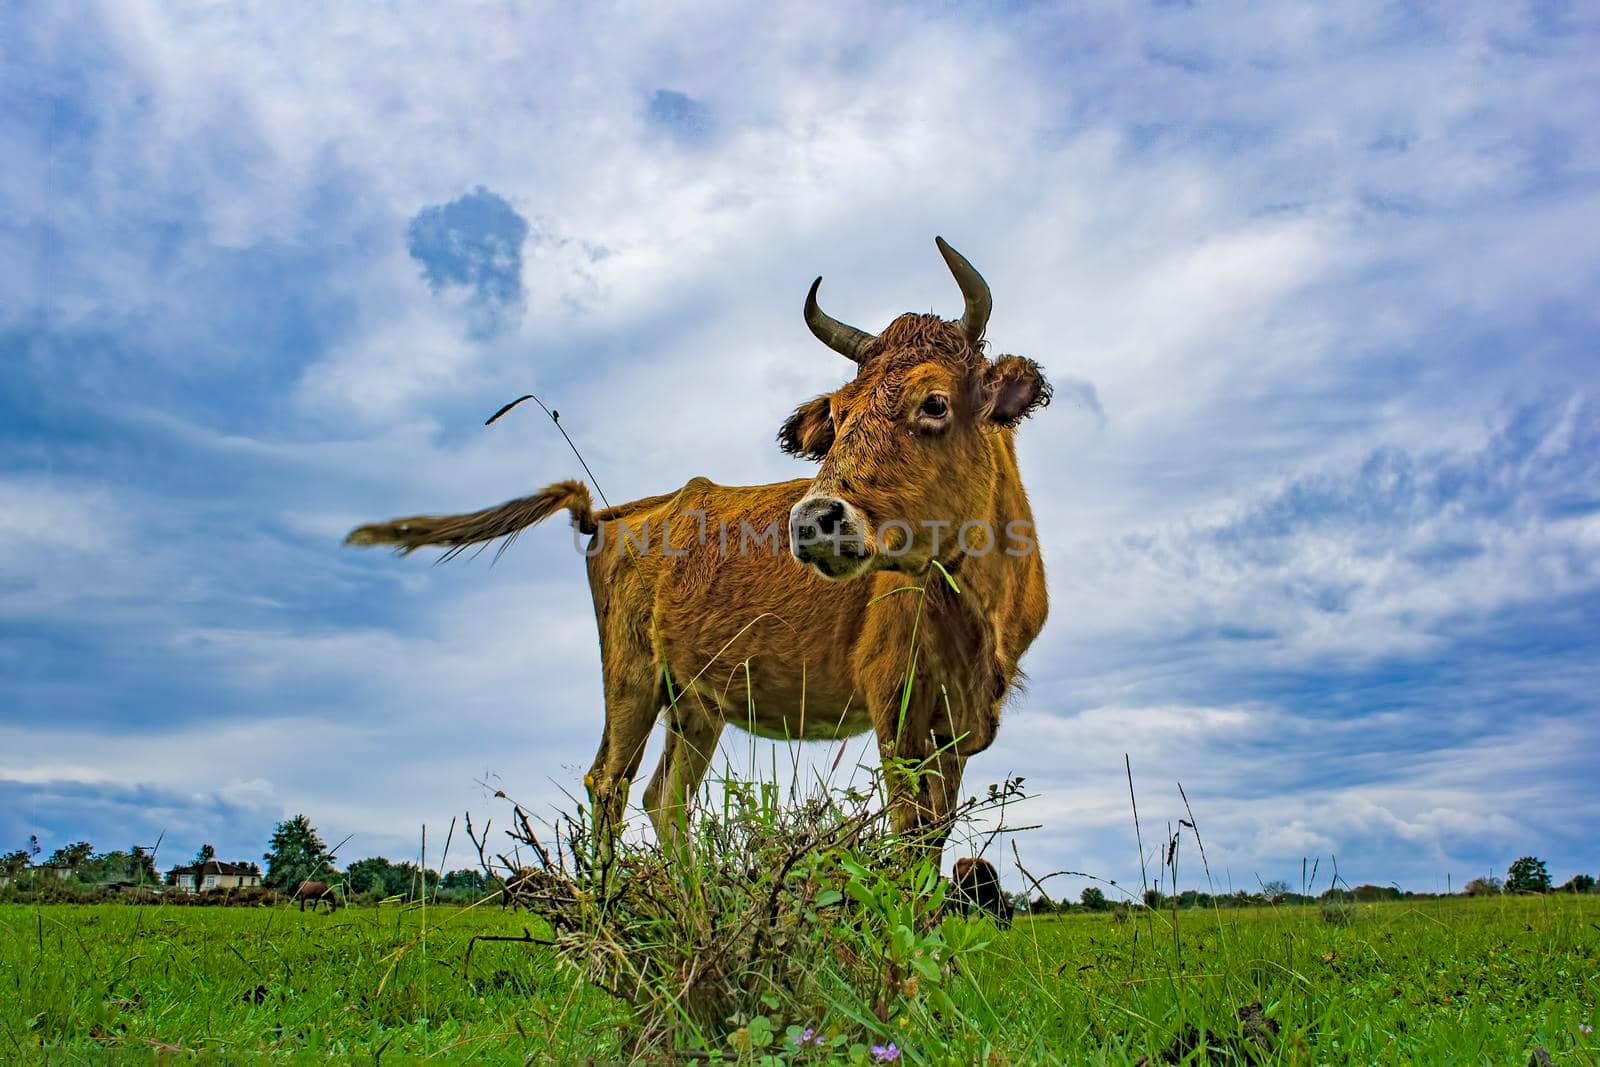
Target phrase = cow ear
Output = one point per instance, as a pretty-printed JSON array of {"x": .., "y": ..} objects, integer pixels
[
  {"x": 809, "y": 431},
  {"x": 1013, "y": 389}
]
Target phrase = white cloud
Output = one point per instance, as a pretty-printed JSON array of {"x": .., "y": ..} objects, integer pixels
[{"x": 1273, "y": 246}]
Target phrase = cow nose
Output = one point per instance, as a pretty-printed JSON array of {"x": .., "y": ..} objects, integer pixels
[
  {"x": 827, "y": 515},
  {"x": 816, "y": 518},
  {"x": 827, "y": 532}
]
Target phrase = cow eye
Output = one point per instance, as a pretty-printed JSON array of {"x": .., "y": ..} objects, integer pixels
[{"x": 934, "y": 407}]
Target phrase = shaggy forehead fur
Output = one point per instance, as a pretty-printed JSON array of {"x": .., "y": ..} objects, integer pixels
[
  {"x": 911, "y": 351},
  {"x": 914, "y": 338}
]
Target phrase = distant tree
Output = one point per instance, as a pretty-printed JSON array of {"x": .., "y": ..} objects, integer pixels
[
  {"x": 1528, "y": 875},
  {"x": 14, "y": 863},
  {"x": 408, "y": 881},
  {"x": 134, "y": 865},
  {"x": 70, "y": 856},
  {"x": 465, "y": 878},
  {"x": 1042, "y": 905},
  {"x": 1093, "y": 898},
  {"x": 1367, "y": 894},
  {"x": 143, "y": 867},
  {"x": 378, "y": 875},
  {"x": 1153, "y": 898},
  {"x": 296, "y": 854},
  {"x": 370, "y": 875},
  {"x": 101, "y": 867},
  {"x": 1579, "y": 883},
  {"x": 204, "y": 856},
  {"x": 1487, "y": 886},
  {"x": 1275, "y": 889}
]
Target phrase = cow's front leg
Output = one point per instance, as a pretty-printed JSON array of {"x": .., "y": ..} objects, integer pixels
[
  {"x": 923, "y": 791},
  {"x": 923, "y": 774}
]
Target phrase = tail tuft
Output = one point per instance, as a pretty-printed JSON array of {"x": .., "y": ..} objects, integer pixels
[{"x": 458, "y": 532}]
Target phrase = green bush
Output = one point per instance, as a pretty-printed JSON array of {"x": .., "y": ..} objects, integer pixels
[
  {"x": 1337, "y": 912},
  {"x": 777, "y": 925},
  {"x": 43, "y": 888}
]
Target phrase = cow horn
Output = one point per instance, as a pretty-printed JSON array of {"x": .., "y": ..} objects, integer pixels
[
  {"x": 975, "y": 319},
  {"x": 843, "y": 339}
]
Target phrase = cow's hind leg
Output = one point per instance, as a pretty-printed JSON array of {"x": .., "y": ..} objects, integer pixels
[
  {"x": 632, "y": 701},
  {"x": 693, "y": 728},
  {"x": 633, "y": 686}
]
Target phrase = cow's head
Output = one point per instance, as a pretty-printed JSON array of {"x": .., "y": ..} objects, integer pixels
[{"x": 909, "y": 447}]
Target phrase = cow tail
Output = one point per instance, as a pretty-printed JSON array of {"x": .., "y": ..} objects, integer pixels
[{"x": 458, "y": 532}]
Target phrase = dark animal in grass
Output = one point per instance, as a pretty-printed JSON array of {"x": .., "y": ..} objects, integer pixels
[
  {"x": 316, "y": 893},
  {"x": 977, "y": 888},
  {"x": 769, "y": 606}
]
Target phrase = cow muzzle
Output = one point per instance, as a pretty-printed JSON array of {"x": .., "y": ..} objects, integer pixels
[{"x": 828, "y": 534}]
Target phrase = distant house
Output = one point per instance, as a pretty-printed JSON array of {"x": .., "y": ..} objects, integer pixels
[{"x": 214, "y": 874}]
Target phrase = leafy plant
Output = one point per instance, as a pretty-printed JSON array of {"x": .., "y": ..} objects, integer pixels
[{"x": 775, "y": 918}]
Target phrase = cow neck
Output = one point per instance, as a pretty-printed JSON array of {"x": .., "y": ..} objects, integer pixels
[
  {"x": 965, "y": 628},
  {"x": 983, "y": 578}
]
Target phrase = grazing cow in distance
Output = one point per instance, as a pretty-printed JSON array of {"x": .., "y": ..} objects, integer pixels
[
  {"x": 317, "y": 893},
  {"x": 770, "y": 606},
  {"x": 977, "y": 887}
]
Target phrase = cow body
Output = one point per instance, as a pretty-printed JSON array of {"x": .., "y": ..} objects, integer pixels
[
  {"x": 315, "y": 893},
  {"x": 774, "y": 607},
  {"x": 977, "y": 888}
]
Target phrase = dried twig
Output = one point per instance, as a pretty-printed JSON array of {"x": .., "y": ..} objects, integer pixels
[{"x": 526, "y": 938}]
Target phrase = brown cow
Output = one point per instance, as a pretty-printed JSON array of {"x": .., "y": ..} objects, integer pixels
[
  {"x": 766, "y": 605},
  {"x": 977, "y": 887},
  {"x": 317, "y": 893}
]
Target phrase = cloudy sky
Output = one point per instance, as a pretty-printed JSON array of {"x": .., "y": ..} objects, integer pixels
[{"x": 1319, "y": 496}]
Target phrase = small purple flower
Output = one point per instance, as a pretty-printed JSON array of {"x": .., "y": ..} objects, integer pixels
[
  {"x": 808, "y": 1036},
  {"x": 885, "y": 1053},
  {"x": 1585, "y": 1029}
]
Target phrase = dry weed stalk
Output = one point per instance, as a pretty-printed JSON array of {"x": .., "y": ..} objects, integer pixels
[{"x": 752, "y": 910}]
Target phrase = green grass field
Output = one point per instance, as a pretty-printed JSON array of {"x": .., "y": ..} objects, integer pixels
[{"x": 1437, "y": 981}]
